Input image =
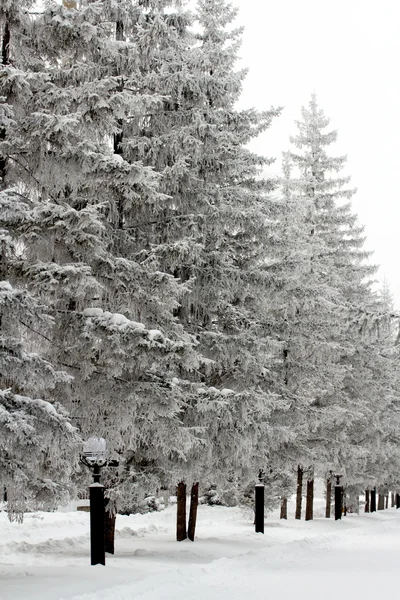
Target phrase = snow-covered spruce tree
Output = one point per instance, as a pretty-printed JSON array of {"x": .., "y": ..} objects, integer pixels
[
  {"x": 207, "y": 230},
  {"x": 213, "y": 234},
  {"x": 300, "y": 319},
  {"x": 38, "y": 445},
  {"x": 329, "y": 280},
  {"x": 76, "y": 200},
  {"x": 376, "y": 457}
]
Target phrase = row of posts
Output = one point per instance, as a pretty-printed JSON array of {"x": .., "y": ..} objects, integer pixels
[
  {"x": 97, "y": 513},
  {"x": 259, "y": 503}
]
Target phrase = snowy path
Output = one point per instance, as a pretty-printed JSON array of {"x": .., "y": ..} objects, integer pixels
[{"x": 46, "y": 558}]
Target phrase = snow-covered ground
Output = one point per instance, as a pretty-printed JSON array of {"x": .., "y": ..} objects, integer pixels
[{"x": 47, "y": 558}]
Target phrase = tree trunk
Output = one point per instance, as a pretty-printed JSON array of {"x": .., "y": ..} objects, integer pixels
[
  {"x": 299, "y": 491},
  {"x": 381, "y": 501},
  {"x": 181, "y": 512},
  {"x": 5, "y": 44},
  {"x": 392, "y": 496},
  {"x": 310, "y": 500},
  {"x": 387, "y": 500},
  {"x": 5, "y": 60},
  {"x": 109, "y": 530},
  {"x": 283, "y": 508},
  {"x": 328, "y": 498},
  {"x": 119, "y": 136},
  {"x": 194, "y": 502},
  {"x": 367, "y": 501}
]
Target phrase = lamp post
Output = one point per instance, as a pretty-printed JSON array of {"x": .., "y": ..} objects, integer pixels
[
  {"x": 259, "y": 502},
  {"x": 338, "y": 498},
  {"x": 94, "y": 457}
]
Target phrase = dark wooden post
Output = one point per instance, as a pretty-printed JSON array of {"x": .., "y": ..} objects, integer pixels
[
  {"x": 97, "y": 545},
  {"x": 181, "y": 512},
  {"x": 283, "y": 514},
  {"x": 366, "y": 501},
  {"x": 328, "y": 498},
  {"x": 373, "y": 500},
  {"x": 299, "y": 491},
  {"x": 194, "y": 502},
  {"x": 310, "y": 500},
  {"x": 259, "y": 501},
  {"x": 338, "y": 499}
]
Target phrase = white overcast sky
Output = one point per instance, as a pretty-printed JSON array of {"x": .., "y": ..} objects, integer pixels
[{"x": 348, "y": 52}]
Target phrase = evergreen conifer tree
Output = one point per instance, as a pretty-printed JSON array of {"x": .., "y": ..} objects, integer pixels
[
  {"x": 211, "y": 231},
  {"x": 329, "y": 283},
  {"x": 38, "y": 444},
  {"x": 221, "y": 233},
  {"x": 71, "y": 200}
]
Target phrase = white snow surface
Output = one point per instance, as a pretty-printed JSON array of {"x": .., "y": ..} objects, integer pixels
[{"x": 47, "y": 557}]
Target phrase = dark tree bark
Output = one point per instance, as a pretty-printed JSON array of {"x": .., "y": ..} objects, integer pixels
[
  {"x": 109, "y": 530},
  {"x": 181, "y": 512},
  {"x": 119, "y": 136},
  {"x": 392, "y": 498},
  {"x": 387, "y": 500},
  {"x": 328, "y": 498},
  {"x": 299, "y": 491},
  {"x": 283, "y": 508},
  {"x": 5, "y": 44},
  {"x": 194, "y": 502},
  {"x": 310, "y": 500},
  {"x": 381, "y": 501},
  {"x": 5, "y": 60},
  {"x": 366, "y": 501}
]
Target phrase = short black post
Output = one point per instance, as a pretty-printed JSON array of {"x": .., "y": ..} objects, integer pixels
[
  {"x": 259, "y": 520},
  {"x": 397, "y": 500},
  {"x": 373, "y": 500},
  {"x": 97, "y": 541},
  {"x": 338, "y": 499}
]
